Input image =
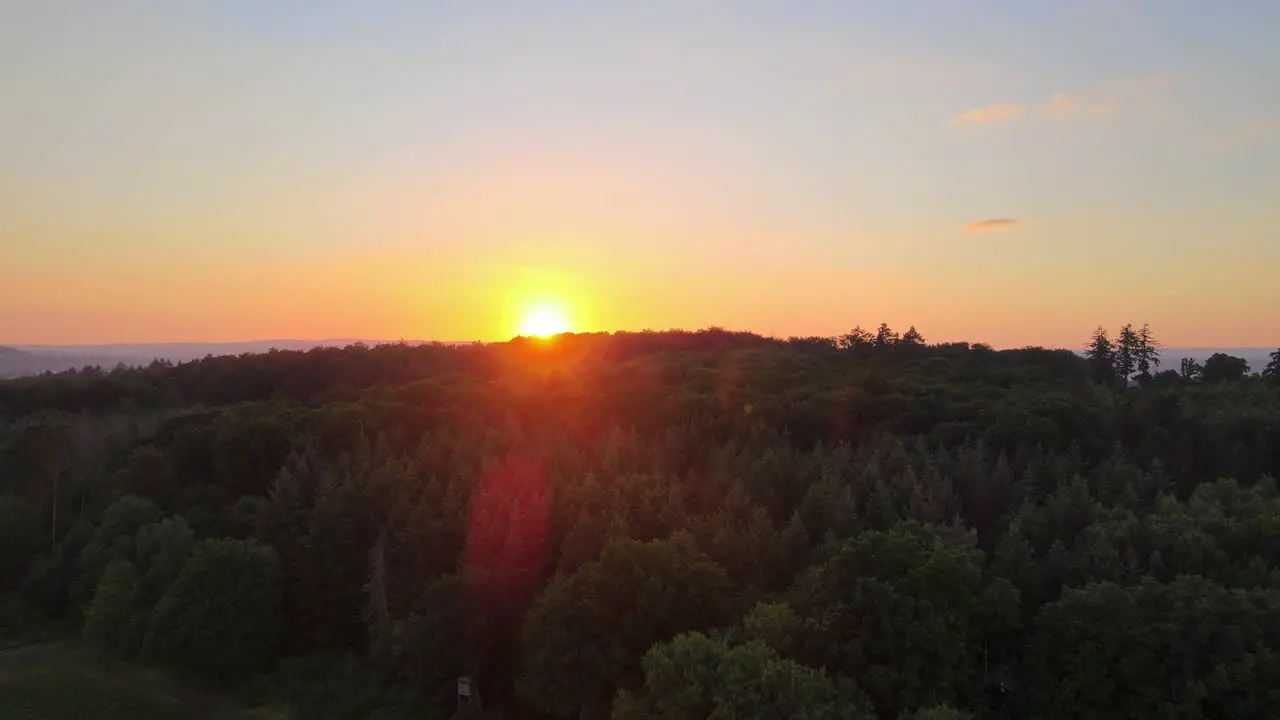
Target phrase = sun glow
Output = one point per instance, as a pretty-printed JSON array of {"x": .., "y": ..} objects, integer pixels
[{"x": 545, "y": 320}]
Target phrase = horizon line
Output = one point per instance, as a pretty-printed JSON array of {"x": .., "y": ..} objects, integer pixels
[{"x": 387, "y": 341}]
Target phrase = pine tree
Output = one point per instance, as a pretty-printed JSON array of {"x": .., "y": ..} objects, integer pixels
[
  {"x": 1148, "y": 352},
  {"x": 1101, "y": 355},
  {"x": 885, "y": 336},
  {"x": 855, "y": 338},
  {"x": 912, "y": 337},
  {"x": 1126, "y": 353}
]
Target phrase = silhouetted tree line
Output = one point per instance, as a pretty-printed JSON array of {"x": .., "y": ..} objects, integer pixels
[
  {"x": 667, "y": 525},
  {"x": 1136, "y": 355}
]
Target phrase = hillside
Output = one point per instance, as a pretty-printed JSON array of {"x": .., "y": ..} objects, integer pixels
[
  {"x": 57, "y": 357},
  {"x": 17, "y": 363},
  {"x": 666, "y": 525}
]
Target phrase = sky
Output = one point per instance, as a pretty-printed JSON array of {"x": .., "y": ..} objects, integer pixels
[{"x": 1008, "y": 171}]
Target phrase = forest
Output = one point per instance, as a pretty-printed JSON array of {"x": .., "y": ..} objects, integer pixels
[{"x": 678, "y": 525}]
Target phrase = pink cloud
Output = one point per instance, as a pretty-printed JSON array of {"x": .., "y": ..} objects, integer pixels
[
  {"x": 991, "y": 113},
  {"x": 990, "y": 224}
]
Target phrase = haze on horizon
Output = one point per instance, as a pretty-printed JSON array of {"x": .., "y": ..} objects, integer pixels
[{"x": 1007, "y": 172}]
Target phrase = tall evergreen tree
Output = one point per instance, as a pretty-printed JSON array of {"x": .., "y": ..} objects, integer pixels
[
  {"x": 1148, "y": 352},
  {"x": 1101, "y": 355},
  {"x": 1128, "y": 348},
  {"x": 885, "y": 336},
  {"x": 857, "y": 337},
  {"x": 912, "y": 337}
]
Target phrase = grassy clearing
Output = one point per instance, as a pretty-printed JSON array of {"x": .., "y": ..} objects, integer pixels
[{"x": 68, "y": 680}]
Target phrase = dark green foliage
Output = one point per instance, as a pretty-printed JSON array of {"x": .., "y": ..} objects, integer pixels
[
  {"x": 941, "y": 712},
  {"x": 115, "y": 617},
  {"x": 47, "y": 585},
  {"x": 1128, "y": 350},
  {"x": 1147, "y": 354},
  {"x": 438, "y": 641},
  {"x": 1133, "y": 352},
  {"x": 114, "y": 538},
  {"x": 1191, "y": 369},
  {"x": 584, "y": 636},
  {"x": 906, "y": 612},
  {"x": 20, "y": 538},
  {"x": 1272, "y": 370},
  {"x": 1101, "y": 355},
  {"x": 707, "y": 524},
  {"x": 221, "y": 616},
  {"x": 774, "y": 624},
  {"x": 1190, "y": 648},
  {"x": 161, "y": 550},
  {"x": 693, "y": 676},
  {"x": 1221, "y": 367}
]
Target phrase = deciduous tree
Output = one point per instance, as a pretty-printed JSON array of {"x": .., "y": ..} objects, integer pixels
[
  {"x": 1272, "y": 370},
  {"x": 1221, "y": 367},
  {"x": 585, "y": 634},
  {"x": 221, "y": 616}
]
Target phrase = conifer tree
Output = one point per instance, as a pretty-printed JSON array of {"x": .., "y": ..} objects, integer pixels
[
  {"x": 1148, "y": 352},
  {"x": 1100, "y": 353}
]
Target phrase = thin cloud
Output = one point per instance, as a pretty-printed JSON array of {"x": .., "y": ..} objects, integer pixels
[
  {"x": 1061, "y": 105},
  {"x": 990, "y": 224},
  {"x": 991, "y": 113},
  {"x": 1108, "y": 98},
  {"x": 1066, "y": 106},
  {"x": 1100, "y": 103}
]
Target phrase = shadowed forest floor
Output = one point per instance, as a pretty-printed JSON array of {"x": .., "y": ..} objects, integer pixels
[{"x": 67, "y": 680}]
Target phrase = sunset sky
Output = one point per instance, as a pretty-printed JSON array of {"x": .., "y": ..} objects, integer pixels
[{"x": 1014, "y": 172}]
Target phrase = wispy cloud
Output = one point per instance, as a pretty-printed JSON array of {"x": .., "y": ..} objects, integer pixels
[
  {"x": 1099, "y": 103},
  {"x": 990, "y": 224},
  {"x": 1061, "y": 105},
  {"x": 1065, "y": 106},
  {"x": 988, "y": 114}
]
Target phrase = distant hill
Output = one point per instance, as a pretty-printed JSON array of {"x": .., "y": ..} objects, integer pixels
[
  {"x": 1256, "y": 357},
  {"x": 178, "y": 352},
  {"x": 15, "y": 362},
  {"x": 18, "y": 360}
]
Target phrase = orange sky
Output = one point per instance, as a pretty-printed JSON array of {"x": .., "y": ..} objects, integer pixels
[{"x": 225, "y": 172}]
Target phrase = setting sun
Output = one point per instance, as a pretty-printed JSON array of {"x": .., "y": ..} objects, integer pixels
[{"x": 544, "y": 321}]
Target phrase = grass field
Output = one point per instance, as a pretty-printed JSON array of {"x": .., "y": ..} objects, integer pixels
[{"x": 66, "y": 680}]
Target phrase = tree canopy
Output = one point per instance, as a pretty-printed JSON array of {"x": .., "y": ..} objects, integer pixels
[{"x": 672, "y": 525}]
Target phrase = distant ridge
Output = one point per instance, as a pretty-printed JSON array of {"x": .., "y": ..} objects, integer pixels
[
  {"x": 192, "y": 350},
  {"x": 19, "y": 360},
  {"x": 16, "y": 362}
]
